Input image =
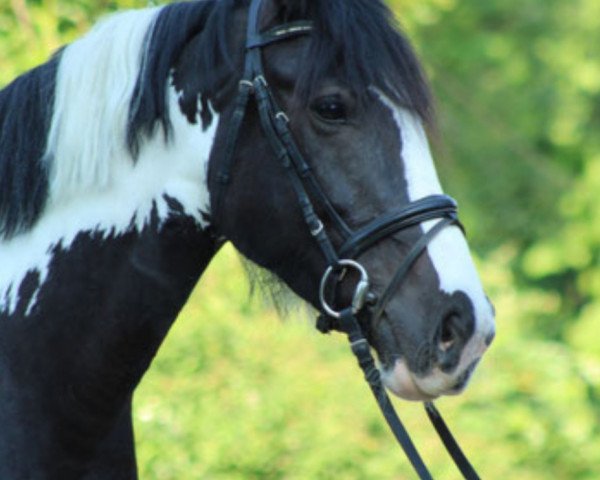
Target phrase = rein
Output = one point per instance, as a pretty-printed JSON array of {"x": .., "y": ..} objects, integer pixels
[{"x": 274, "y": 123}]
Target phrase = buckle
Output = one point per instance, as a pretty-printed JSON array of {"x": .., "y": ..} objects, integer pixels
[{"x": 360, "y": 292}]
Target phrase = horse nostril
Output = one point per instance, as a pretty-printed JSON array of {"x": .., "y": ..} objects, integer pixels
[
  {"x": 456, "y": 326},
  {"x": 448, "y": 334},
  {"x": 449, "y": 340}
]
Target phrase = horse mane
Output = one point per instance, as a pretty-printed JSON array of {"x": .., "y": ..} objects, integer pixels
[
  {"x": 360, "y": 35},
  {"x": 26, "y": 107},
  {"x": 67, "y": 126},
  {"x": 273, "y": 291}
]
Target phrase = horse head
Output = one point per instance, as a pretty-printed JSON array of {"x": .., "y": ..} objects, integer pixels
[{"x": 353, "y": 150}]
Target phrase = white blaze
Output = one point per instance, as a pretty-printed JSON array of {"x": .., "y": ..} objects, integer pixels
[
  {"x": 448, "y": 250},
  {"x": 449, "y": 255}
]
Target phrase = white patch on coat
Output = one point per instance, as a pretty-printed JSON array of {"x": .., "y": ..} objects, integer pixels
[
  {"x": 95, "y": 186},
  {"x": 449, "y": 254}
]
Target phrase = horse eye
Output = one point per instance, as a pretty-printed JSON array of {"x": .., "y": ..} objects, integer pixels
[{"x": 330, "y": 109}]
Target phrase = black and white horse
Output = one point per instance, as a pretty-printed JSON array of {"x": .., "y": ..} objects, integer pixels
[{"x": 112, "y": 205}]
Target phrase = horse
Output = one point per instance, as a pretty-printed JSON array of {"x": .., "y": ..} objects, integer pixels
[{"x": 134, "y": 153}]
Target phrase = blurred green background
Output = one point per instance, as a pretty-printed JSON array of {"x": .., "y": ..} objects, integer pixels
[{"x": 235, "y": 393}]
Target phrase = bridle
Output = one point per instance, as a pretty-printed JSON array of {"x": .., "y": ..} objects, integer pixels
[{"x": 274, "y": 124}]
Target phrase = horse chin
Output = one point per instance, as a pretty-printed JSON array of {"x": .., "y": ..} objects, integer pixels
[
  {"x": 408, "y": 386},
  {"x": 402, "y": 383}
]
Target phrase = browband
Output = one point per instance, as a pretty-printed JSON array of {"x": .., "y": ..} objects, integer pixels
[{"x": 279, "y": 33}]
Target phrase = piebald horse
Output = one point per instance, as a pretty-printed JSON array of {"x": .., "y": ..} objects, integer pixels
[{"x": 135, "y": 152}]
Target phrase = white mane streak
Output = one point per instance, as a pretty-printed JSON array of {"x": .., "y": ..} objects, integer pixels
[{"x": 95, "y": 82}]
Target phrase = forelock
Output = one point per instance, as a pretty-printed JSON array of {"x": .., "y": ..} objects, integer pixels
[{"x": 361, "y": 43}]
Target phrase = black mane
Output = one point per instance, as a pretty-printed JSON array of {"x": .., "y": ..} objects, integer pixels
[
  {"x": 26, "y": 107},
  {"x": 358, "y": 40},
  {"x": 361, "y": 40},
  {"x": 175, "y": 25}
]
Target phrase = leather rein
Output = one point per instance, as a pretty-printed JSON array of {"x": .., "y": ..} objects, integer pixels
[{"x": 274, "y": 123}]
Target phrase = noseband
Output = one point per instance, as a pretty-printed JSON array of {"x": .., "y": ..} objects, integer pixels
[{"x": 274, "y": 123}]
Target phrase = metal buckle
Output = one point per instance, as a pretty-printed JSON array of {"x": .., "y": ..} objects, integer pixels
[{"x": 360, "y": 292}]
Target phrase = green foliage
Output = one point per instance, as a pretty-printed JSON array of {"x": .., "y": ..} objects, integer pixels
[
  {"x": 519, "y": 97},
  {"x": 235, "y": 393}
]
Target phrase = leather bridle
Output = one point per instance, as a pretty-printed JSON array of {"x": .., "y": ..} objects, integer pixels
[{"x": 274, "y": 124}]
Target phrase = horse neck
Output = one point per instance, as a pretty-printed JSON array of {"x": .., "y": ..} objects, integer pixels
[
  {"x": 88, "y": 294},
  {"x": 70, "y": 364},
  {"x": 90, "y": 289}
]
